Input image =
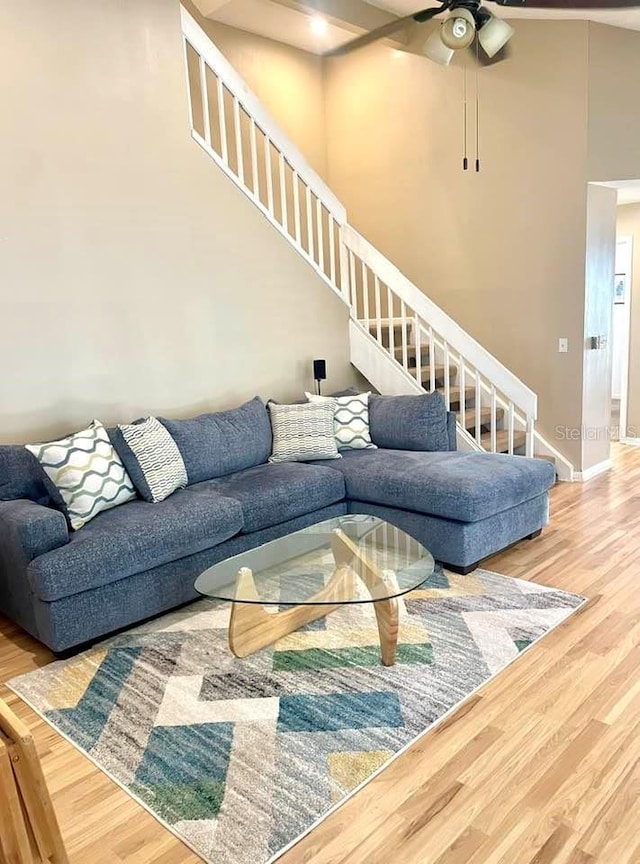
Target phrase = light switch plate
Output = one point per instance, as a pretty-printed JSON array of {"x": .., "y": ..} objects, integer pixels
[{"x": 563, "y": 345}]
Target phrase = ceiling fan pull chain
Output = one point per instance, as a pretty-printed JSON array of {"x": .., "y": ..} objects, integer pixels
[
  {"x": 477, "y": 107},
  {"x": 465, "y": 160}
]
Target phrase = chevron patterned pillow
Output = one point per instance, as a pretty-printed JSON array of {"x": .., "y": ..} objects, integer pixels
[
  {"x": 87, "y": 472},
  {"x": 303, "y": 433},
  {"x": 351, "y": 419},
  {"x": 160, "y": 466}
]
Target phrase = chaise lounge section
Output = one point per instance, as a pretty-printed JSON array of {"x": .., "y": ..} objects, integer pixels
[{"x": 138, "y": 560}]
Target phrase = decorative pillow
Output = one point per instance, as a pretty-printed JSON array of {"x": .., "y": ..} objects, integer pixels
[
  {"x": 350, "y": 421},
  {"x": 86, "y": 471},
  {"x": 159, "y": 468},
  {"x": 302, "y": 433}
]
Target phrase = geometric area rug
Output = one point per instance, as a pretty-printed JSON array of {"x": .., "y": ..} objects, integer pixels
[{"x": 241, "y": 758}]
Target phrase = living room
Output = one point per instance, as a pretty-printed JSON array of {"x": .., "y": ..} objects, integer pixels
[{"x": 149, "y": 271}]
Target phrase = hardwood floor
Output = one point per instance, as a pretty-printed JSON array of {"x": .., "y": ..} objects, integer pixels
[{"x": 543, "y": 765}]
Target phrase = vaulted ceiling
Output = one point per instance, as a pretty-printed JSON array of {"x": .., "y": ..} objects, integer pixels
[{"x": 319, "y": 25}]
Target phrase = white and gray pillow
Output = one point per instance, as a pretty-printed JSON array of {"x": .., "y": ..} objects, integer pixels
[
  {"x": 160, "y": 468},
  {"x": 303, "y": 433},
  {"x": 351, "y": 419},
  {"x": 86, "y": 471}
]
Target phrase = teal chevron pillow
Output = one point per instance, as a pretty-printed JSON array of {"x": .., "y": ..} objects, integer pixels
[
  {"x": 87, "y": 472},
  {"x": 350, "y": 420}
]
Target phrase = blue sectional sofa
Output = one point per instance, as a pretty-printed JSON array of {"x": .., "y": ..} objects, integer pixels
[{"x": 139, "y": 559}]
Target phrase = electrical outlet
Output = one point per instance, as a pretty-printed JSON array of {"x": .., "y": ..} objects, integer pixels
[{"x": 563, "y": 345}]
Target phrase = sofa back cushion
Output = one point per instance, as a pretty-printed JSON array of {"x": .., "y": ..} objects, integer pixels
[
  {"x": 22, "y": 476},
  {"x": 213, "y": 445},
  {"x": 409, "y": 422}
]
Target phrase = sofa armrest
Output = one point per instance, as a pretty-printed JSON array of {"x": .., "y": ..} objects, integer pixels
[{"x": 28, "y": 530}]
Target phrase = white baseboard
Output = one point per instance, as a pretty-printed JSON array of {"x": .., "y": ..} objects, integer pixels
[
  {"x": 594, "y": 471},
  {"x": 631, "y": 442}
]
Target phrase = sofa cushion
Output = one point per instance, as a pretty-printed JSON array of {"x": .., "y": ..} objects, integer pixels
[
  {"x": 22, "y": 476},
  {"x": 274, "y": 493},
  {"x": 463, "y": 486},
  {"x": 409, "y": 422},
  {"x": 135, "y": 537},
  {"x": 216, "y": 444}
]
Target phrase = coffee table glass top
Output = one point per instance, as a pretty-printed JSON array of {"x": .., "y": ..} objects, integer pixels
[{"x": 349, "y": 559}]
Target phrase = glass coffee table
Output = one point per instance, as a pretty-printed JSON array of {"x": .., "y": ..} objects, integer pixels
[{"x": 279, "y": 587}]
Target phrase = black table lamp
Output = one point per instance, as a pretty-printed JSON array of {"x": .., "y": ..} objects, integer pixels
[{"x": 319, "y": 372}]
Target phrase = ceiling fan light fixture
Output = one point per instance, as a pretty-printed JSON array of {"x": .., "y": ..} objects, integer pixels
[
  {"x": 494, "y": 35},
  {"x": 459, "y": 30},
  {"x": 435, "y": 49}
]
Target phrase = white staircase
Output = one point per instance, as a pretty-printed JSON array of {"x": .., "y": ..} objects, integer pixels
[{"x": 400, "y": 340}]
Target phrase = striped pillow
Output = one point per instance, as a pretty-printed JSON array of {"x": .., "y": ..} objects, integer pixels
[
  {"x": 302, "y": 433},
  {"x": 351, "y": 419},
  {"x": 86, "y": 471},
  {"x": 159, "y": 463}
]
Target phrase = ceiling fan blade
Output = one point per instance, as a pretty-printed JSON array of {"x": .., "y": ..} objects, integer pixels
[
  {"x": 386, "y": 30},
  {"x": 570, "y": 4}
]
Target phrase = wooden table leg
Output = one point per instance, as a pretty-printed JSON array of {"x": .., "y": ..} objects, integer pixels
[
  {"x": 387, "y": 617},
  {"x": 348, "y": 554},
  {"x": 251, "y": 627}
]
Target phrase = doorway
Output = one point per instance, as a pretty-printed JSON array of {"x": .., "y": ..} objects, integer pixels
[{"x": 620, "y": 333}]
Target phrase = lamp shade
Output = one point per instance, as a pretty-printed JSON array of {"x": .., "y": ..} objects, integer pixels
[
  {"x": 435, "y": 49},
  {"x": 459, "y": 30},
  {"x": 494, "y": 35}
]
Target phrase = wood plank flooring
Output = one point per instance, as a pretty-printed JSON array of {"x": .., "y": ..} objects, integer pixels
[{"x": 543, "y": 765}]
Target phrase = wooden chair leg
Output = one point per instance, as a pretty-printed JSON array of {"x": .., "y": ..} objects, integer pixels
[
  {"x": 22, "y": 780},
  {"x": 14, "y": 838}
]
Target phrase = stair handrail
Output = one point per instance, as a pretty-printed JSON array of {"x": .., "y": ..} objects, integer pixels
[{"x": 233, "y": 81}]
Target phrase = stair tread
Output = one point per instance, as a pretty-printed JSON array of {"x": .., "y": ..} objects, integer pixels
[
  {"x": 485, "y": 416},
  {"x": 438, "y": 371},
  {"x": 502, "y": 440},
  {"x": 454, "y": 394}
]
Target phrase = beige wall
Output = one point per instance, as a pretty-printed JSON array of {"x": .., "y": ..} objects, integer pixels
[
  {"x": 502, "y": 251},
  {"x": 629, "y": 223},
  {"x": 289, "y": 82},
  {"x": 596, "y": 390},
  {"x": 614, "y": 103},
  {"x": 134, "y": 276}
]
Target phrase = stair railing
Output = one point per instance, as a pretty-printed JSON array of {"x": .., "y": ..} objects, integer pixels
[
  {"x": 230, "y": 123},
  {"x": 425, "y": 345},
  {"x": 434, "y": 352}
]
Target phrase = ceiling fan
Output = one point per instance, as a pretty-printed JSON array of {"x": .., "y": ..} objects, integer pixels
[{"x": 467, "y": 21}]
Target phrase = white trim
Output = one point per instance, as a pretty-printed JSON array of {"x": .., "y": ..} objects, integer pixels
[
  {"x": 594, "y": 471},
  {"x": 219, "y": 64},
  {"x": 630, "y": 442},
  {"x": 347, "y": 797}
]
